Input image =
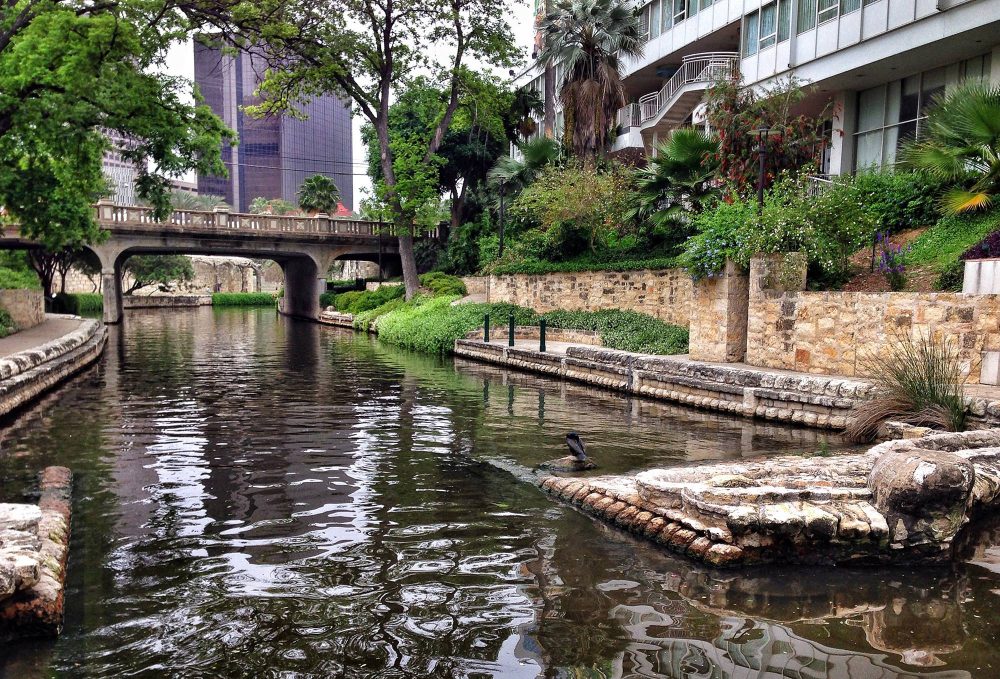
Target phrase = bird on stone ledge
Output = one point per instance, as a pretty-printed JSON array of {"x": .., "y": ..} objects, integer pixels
[{"x": 576, "y": 447}]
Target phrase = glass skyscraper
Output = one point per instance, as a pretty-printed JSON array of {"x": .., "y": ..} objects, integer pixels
[{"x": 274, "y": 154}]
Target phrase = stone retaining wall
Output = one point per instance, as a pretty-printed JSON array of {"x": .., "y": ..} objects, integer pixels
[
  {"x": 27, "y": 374},
  {"x": 833, "y": 332},
  {"x": 26, "y": 307},
  {"x": 165, "y": 301},
  {"x": 814, "y": 401},
  {"x": 663, "y": 293}
]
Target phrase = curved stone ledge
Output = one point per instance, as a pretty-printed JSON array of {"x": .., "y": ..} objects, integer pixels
[
  {"x": 27, "y": 374},
  {"x": 903, "y": 501}
]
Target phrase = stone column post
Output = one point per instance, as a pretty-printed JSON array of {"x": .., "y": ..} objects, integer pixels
[
  {"x": 111, "y": 289},
  {"x": 719, "y": 307},
  {"x": 221, "y": 216},
  {"x": 105, "y": 210}
]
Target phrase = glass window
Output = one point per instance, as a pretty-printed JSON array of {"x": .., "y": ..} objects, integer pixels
[
  {"x": 807, "y": 16},
  {"x": 692, "y": 7},
  {"x": 848, "y": 6},
  {"x": 931, "y": 86},
  {"x": 644, "y": 22},
  {"x": 750, "y": 34},
  {"x": 666, "y": 17},
  {"x": 679, "y": 13},
  {"x": 768, "y": 25},
  {"x": 871, "y": 109},
  {"x": 869, "y": 150},
  {"x": 654, "y": 19},
  {"x": 784, "y": 19},
  {"x": 827, "y": 10}
]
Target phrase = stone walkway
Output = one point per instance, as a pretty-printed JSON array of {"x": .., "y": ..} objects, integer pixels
[{"x": 54, "y": 327}]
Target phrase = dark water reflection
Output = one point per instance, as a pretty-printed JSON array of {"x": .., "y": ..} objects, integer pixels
[{"x": 259, "y": 497}]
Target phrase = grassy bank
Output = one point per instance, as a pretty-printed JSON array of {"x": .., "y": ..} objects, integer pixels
[
  {"x": 243, "y": 299},
  {"x": 431, "y": 322}
]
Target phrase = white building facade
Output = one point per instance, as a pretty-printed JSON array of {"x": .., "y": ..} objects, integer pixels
[{"x": 876, "y": 64}]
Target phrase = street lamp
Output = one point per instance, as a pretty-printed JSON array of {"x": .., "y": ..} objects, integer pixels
[
  {"x": 503, "y": 186},
  {"x": 763, "y": 132}
]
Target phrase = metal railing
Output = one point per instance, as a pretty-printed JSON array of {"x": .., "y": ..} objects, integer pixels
[
  {"x": 222, "y": 221},
  {"x": 628, "y": 116},
  {"x": 696, "y": 68}
]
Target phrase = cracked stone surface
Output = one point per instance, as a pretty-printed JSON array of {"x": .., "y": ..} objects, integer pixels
[{"x": 903, "y": 501}]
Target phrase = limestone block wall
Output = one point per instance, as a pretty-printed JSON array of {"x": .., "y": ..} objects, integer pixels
[
  {"x": 26, "y": 307},
  {"x": 719, "y": 317},
  {"x": 663, "y": 293},
  {"x": 831, "y": 333}
]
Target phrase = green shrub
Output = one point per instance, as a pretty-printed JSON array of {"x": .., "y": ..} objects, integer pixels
[
  {"x": 243, "y": 299},
  {"x": 357, "y": 301},
  {"x": 13, "y": 279},
  {"x": 326, "y": 299},
  {"x": 584, "y": 263},
  {"x": 78, "y": 303},
  {"x": 625, "y": 330},
  {"x": 364, "y": 319},
  {"x": 945, "y": 241},
  {"x": 951, "y": 278},
  {"x": 7, "y": 325},
  {"x": 899, "y": 200},
  {"x": 722, "y": 234},
  {"x": 441, "y": 283},
  {"x": 432, "y": 324}
]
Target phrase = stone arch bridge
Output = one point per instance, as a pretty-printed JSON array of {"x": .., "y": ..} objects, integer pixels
[{"x": 304, "y": 247}]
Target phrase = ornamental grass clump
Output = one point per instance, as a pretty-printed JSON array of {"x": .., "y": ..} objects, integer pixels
[{"x": 920, "y": 382}]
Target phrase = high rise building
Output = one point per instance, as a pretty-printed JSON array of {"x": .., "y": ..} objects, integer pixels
[
  {"x": 876, "y": 63},
  {"x": 120, "y": 173},
  {"x": 274, "y": 154}
]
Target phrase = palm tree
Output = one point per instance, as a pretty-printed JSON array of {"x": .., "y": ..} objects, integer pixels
[
  {"x": 318, "y": 193},
  {"x": 521, "y": 122},
  {"x": 677, "y": 182},
  {"x": 960, "y": 142},
  {"x": 589, "y": 38},
  {"x": 515, "y": 174}
]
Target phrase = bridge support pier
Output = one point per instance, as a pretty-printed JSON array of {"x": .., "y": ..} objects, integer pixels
[
  {"x": 303, "y": 284},
  {"x": 111, "y": 288}
]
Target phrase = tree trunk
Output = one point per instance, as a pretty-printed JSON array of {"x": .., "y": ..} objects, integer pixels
[
  {"x": 410, "y": 278},
  {"x": 549, "y": 108}
]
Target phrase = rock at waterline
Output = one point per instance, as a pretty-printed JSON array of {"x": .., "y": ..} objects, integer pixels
[{"x": 568, "y": 464}]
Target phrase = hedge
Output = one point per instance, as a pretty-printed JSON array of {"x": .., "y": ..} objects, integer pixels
[
  {"x": 625, "y": 330},
  {"x": 243, "y": 299},
  {"x": 537, "y": 267},
  {"x": 7, "y": 325},
  {"x": 78, "y": 303},
  {"x": 14, "y": 279},
  {"x": 364, "y": 300}
]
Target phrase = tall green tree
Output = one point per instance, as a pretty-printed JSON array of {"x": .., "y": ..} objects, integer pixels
[
  {"x": 365, "y": 50},
  {"x": 318, "y": 193},
  {"x": 960, "y": 143},
  {"x": 590, "y": 38},
  {"x": 71, "y": 75},
  {"x": 514, "y": 174}
]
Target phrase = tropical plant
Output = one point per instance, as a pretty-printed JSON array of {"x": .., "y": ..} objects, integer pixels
[
  {"x": 739, "y": 114},
  {"x": 960, "y": 143},
  {"x": 589, "y": 38},
  {"x": 920, "y": 382},
  {"x": 318, "y": 193},
  {"x": 514, "y": 174},
  {"x": 185, "y": 200},
  {"x": 520, "y": 118},
  {"x": 676, "y": 184}
]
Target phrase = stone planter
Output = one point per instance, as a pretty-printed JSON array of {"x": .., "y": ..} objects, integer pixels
[{"x": 982, "y": 277}]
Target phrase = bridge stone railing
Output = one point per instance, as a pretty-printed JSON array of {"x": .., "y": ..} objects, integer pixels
[{"x": 221, "y": 220}]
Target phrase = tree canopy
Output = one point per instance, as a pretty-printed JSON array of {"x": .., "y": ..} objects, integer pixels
[
  {"x": 161, "y": 270},
  {"x": 72, "y": 76},
  {"x": 318, "y": 193}
]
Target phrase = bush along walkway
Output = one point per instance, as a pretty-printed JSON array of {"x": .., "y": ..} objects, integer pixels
[{"x": 902, "y": 502}]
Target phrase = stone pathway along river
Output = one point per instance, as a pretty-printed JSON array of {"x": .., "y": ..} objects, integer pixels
[{"x": 256, "y": 496}]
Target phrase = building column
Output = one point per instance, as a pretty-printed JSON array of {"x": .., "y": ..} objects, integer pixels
[
  {"x": 111, "y": 289},
  {"x": 995, "y": 66},
  {"x": 845, "y": 120}
]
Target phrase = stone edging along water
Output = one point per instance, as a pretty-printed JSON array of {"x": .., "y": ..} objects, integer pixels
[
  {"x": 27, "y": 374},
  {"x": 35, "y": 546},
  {"x": 902, "y": 502}
]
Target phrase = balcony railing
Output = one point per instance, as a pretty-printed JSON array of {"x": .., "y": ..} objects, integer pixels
[
  {"x": 696, "y": 68},
  {"x": 628, "y": 116}
]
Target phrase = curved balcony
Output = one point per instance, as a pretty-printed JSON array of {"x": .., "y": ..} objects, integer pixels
[{"x": 681, "y": 93}]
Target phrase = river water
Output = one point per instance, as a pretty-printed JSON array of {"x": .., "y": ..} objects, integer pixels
[{"x": 262, "y": 497}]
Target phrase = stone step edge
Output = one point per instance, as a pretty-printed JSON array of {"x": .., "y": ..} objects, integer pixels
[
  {"x": 38, "y": 612},
  {"x": 23, "y": 361}
]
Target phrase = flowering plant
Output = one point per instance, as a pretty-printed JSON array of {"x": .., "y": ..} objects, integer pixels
[{"x": 891, "y": 262}]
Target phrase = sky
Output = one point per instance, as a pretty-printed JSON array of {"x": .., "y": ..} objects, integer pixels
[{"x": 180, "y": 62}]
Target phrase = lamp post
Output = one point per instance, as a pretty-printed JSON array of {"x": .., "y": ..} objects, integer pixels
[
  {"x": 503, "y": 187},
  {"x": 763, "y": 132}
]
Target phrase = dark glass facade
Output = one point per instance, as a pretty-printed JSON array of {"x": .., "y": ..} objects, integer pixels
[{"x": 276, "y": 154}]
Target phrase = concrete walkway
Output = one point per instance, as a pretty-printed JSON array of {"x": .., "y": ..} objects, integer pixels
[{"x": 54, "y": 327}]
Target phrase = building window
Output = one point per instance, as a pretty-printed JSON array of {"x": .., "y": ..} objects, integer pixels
[
  {"x": 679, "y": 13},
  {"x": 812, "y": 12},
  {"x": 891, "y": 115},
  {"x": 654, "y": 19},
  {"x": 765, "y": 27}
]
